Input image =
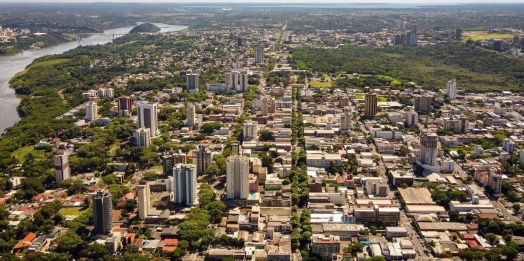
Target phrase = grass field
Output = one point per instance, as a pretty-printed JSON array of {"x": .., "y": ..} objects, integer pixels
[
  {"x": 320, "y": 84},
  {"x": 359, "y": 96},
  {"x": 72, "y": 211},
  {"x": 284, "y": 54},
  {"x": 382, "y": 99},
  {"x": 481, "y": 36},
  {"x": 20, "y": 153}
]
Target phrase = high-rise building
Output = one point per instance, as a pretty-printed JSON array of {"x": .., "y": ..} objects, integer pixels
[
  {"x": 451, "y": 89},
  {"x": 343, "y": 102},
  {"x": 228, "y": 78},
  {"x": 203, "y": 158},
  {"x": 498, "y": 45},
  {"x": 185, "y": 184},
  {"x": 345, "y": 122},
  {"x": 102, "y": 212},
  {"x": 265, "y": 106},
  {"x": 91, "y": 111},
  {"x": 170, "y": 159},
  {"x": 125, "y": 105},
  {"x": 272, "y": 105},
  {"x": 234, "y": 81},
  {"x": 508, "y": 146},
  {"x": 411, "y": 39},
  {"x": 259, "y": 54},
  {"x": 62, "y": 170},
  {"x": 239, "y": 41},
  {"x": 250, "y": 130},
  {"x": 495, "y": 180},
  {"x": 143, "y": 137},
  {"x": 144, "y": 203},
  {"x": 237, "y": 177},
  {"x": 370, "y": 104},
  {"x": 397, "y": 39},
  {"x": 191, "y": 115},
  {"x": 422, "y": 103},
  {"x": 458, "y": 34},
  {"x": 191, "y": 81},
  {"x": 411, "y": 118},
  {"x": 428, "y": 149},
  {"x": 414, "y": 28},
  {"x": 148, "y": 117},
  {"x": 516, "y": 40},
  {"x": 243, "y": 81}
]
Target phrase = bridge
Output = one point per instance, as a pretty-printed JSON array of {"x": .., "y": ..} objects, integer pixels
[{"x": 85, "y": 35}]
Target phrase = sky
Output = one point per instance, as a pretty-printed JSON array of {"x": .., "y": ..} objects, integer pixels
[{"x": 419, "y": 2}]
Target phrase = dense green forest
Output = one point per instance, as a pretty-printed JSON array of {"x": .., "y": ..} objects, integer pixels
[
  {"x": 428, "y": 66},
  {"x": 49, "y": 39},
  {"x": 145, "y": 28}
]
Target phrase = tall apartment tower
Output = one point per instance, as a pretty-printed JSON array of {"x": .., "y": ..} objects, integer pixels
[
  {"x": 259, "y": 54},
  {"x": 265, "y": 106},
  {"x": 370, "y": 104},
  {"x": 148, "y": 117},
  {"x": 234, "y": 81},
  {"x": 143, "y": 137},
  {"x": 423, "y": 103},
  {"x": 144, "y": 203},
  {"x": 125, "y": 105},
  {"x": 411, "y": 118},
  {"x": 345, "y": 122},
  {"x": 250, "y": 130},
  {"x": 191, "y": 115},
  {"x": 272, "y": 105},
  {"x": 237, "y": 177},
  {"x": 228, "y": 78},
  {"x": 62, "y": 170},
  {"x": 102, "y": 212},
  {"x": 203, "y": 159},
  {"x": 192, "y": 81},
  {"x": 495, "y": 180},
  {"x": 185, "y": 184},
  {"x": 91, "y": 111},
  {"x": 451, "y": 89},
  {"x": 428, "y": 149},
  {"x": 414, "y": 28},
  {"x": 243, "y": 83},
  {"x": 412, "y": 39}
]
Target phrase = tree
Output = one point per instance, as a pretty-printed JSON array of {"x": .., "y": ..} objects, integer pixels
[
  {"x": 373, "y": 230},
  {"x": 492, "y": 239},
  {"x": 69, "y": 242},
  {"x": 131, "y": 204},
  {"x": 216, "y": 210},
  {"x": 266, "y": 135},
  {"x": 95, "y": 251},
  {"x": 209, "y": 127},
  {"x": 213, "y": 171},
  {"x": 516, "y": 207},
  {"x": 471, "y": 254},
  {"x": 150, "y": 176},
  {"x": 376, "y": 258}
]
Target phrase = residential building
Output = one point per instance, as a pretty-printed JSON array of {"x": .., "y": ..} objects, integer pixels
[
  {"x": 237, "y": 177},
  {"x": 203, "y": 158},
  {"x": 451, "y": 89},
  {"x": 259, "y": 54},
  {"x": 265, "y": 106},
  {"x": 185, "y": 179},
  {"x": 62, "y": 170},
  {"x": 323, "y": 160},
  {"x": 495, "y": 180},
  {"x": 228, "y": 78},
  {"x": 423, "y": 103},
  {"x": 250, "y": 130},
  {"x": 143, "y": 137},
  {"x": 144, "y": 203},
  {"x": 414, "y": 28},
  {"x": 148, "y": 117},
  {"x": 191, "y": 81},
  {"x": 428, "y": 149},
  {"x": 125, "y": 105},
  {"x": 243, "y": 82},
  {"x": 191, "y": 115},
  {"x": 325, "y": 246},
  {"x": 102, "y": 212},
  {"x": 508, "y": 146},
  {"x": 411, "y": 118},
  {"x": 411, "y": 39},
  {"x": 370, "y": 104},
  {"x": 91, "y": 111},
  {"x": 345, "y": 122},
  {"x": 170, "y": 159},
  {"x": 377, "y": 215}
]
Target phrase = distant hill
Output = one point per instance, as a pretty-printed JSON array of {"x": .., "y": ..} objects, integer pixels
[{"x": 145, "y": 28}]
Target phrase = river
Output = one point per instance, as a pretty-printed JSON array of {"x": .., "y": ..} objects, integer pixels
[{"x": 11, "y": 65}]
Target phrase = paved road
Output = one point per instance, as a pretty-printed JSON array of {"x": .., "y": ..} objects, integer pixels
[
  {"x": 412, "y": 234},
  {"x": 507, "y": 213}
]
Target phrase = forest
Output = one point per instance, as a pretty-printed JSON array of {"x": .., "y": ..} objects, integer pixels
[{"x": 431, "y": 67}]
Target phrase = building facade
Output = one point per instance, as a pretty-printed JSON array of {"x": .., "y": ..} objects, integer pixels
[
  {"x": 143, "y": 137},
  {"x": 185, "y": 184},
  {"x": 191, "y": 81},
  {"x": 148, "y": 117},
  {"x": 250, "y": 130},
  {"x": 144, "y": 202},
  {"x": 62, "y": 170},
  {"x": 451, "y": 89},
  {"x": 203, "y": 158},
  {"x": 91, "y": 111},
  {"x": 237, "y": 177},
  {"x": 102, "y": 212},
  {"x": 125, "y": 105},
  {"x": 370, "y": 104},
  {"x": 429, "y": 149}
]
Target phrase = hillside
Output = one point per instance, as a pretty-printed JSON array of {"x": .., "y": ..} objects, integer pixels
[{"x": 145, "y": 28}]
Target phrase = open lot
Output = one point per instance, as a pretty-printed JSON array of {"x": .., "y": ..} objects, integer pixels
[{"x": 481, "y": 36}]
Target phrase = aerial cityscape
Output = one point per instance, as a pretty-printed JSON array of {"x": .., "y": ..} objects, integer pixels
[{"x": 279, "y": 131}]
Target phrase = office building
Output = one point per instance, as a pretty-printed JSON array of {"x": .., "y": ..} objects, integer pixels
[
  {"x": 144, "y": 203},
  {"x": 191, "y": 81},
  {"x": 422, "y": 103},
  {"x": 91, "y": 111},
  {"x": 411, "y": 118},
  {"x": 203, "y": 158},
  {"x": 259, "y": 54},
  {"x": 243, "y": 78},
  {"x": 148, "y": 117},
  {"x": 102, "y": 212},
  {"x": 250, "y": 130},
  {"x": 62, "y": 170},
  {"x": 345, "y": 122},
  {"x": 237, "y": 177},
  {"x": 191, "y": 115},
  {"x": 370, "y": 104},
  {"x": 428, "y": 149},
  {"x": 125, "y": 105},
  {"x": 143, "y": 137},
  {"x": 451, "y": 89},
  {"x": 185, "y": 184}
]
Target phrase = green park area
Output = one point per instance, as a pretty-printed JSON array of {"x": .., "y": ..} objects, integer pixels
[
  {"x": 481, "y": 36},
  {"x": 21, "y": 153},
  {"x": 320, "y": 84},
  {"x": 72, "y": 211}
]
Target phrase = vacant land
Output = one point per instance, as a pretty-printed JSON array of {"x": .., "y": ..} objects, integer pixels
[
  {"x": 320, "y": 84},
  {"x": 21, "y": 153},
  {"x": 481, "y": 36},
  {"x": 72, "y": 211}
]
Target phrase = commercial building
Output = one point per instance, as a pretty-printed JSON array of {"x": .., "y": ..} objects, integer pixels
[
  {"x": 91, "y": 111},
  {"x": 323, "y": 160},
  {"x": 399, "y": 177},
  {"x": 428, "y": 149},
  {"x": 191, "y": 115},
  {"x": 250, "y": 130},
  {"x": 185, "y": 179},
  {"x": 377, "y": 215},
  {"x": 370, "y": 104},
  {"x": 191, "y": 81},
  {"x": 203, "y": 158},
  {"x": 451, "y": 89},
  {"x": 395, "y": 232},
  {"x": 343, "y": 231},
  {"x": 62, "y": 170},
  {"x": 237, "y": 182},
  {"x": 416, "y": 196},
  {"x": 148, "y": 117},
  {"x": 425, "y": 209},
  {"x": 125, "y": 105},
  {"x": 259, "y": 54},
  {"x": 143, "y": 137},
  {"x": 325, "y": 246},
  {"x": 102, "y": 212},
  {"x": 144, "y": 202},
  {"x": 423, "y": 103}
]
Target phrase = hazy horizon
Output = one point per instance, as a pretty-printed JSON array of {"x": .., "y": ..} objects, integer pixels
[{"x": 419, "y": 2}]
